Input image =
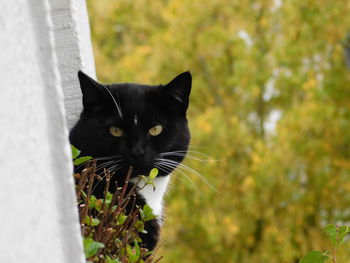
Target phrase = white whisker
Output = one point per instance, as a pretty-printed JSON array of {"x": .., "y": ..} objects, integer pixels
[
  {"x": 103, "y": 177},
  {"x": 164, "y": 168},
  {"x": 186, "y": 152},
  {"x": 115, "y": 168},
  {"x": 97, "y": 159},
  {"x": 115, "y": 102},
  {"x": 105, "y": 157},
  {"x": 175, "y": 164},
  {"x": 189, "y": 156},
  {"x": 106, "y": 164},
  {"x": 112, "y": 169}
]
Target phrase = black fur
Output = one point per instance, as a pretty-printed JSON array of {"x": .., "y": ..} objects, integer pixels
[{"x": 117, "y": 105}]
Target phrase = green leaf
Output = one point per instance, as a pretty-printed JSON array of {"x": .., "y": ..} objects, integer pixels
[
  {"x": 94, "y": 221},
  {"x": 98, "y": 204},
  {"x": 108, "y": 198},
  {"x": 331, "y": 231},
  {"x": 92, "y": 201},
  {"x": 81, "y": 160},
  {"x": 91, "y": 221},
  {"x": 147, "y": 213},
  {"x": 121, "y": 219},
  {"x": 142, "y": 214},
  {"x": 139, "y": 225},
  {"x": 75, "y": 152},
  {"x": 110, "y": 260},
  {"x": 336, "y": 234},
  {"x": 315, "y": 257},
  {"x": 342, "y": 232},
  {"x": 91, "y": 247},
  {"x": 153, "y": 174},
  {"x": 133, "y": 253}
]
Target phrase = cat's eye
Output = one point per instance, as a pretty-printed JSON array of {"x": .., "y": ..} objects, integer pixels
[
  {"x": 156, "y": 130},
  {"x": 115, "y": 131}
]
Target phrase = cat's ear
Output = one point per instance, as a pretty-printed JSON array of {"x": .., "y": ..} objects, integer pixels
[
  {"x": 93, "y": 92},
  {"x": 180, "y": 88}
]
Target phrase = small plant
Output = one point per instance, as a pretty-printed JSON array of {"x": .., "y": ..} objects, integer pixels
[
  {"x": 111, "y": 234},
  {"x": 336, "y": 235},
  {"x": 76, "y": 159}
]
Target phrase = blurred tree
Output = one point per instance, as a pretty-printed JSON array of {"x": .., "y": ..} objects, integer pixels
[{"x": 270, "y": 97}]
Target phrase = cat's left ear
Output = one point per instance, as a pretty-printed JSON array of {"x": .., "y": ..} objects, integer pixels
[
  {"x": 180, "y": 88},
  {"x": 94, "y": 95}
]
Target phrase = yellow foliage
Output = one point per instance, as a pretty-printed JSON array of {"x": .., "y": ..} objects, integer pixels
[
  {"x": 230, "y": 226},
  {"x": 204, "y": 122},
  {"x": 277, "y": 188},
  {"x": 248, "y": 183}
]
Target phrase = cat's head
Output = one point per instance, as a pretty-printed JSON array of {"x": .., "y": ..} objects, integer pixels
[{"x": 134, "y": 125}]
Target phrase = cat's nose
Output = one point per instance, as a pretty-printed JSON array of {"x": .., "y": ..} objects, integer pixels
[{"x": 137, "y": 152}]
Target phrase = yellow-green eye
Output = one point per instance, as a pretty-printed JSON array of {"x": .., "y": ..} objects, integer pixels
[
  {"x": 115, "y": 131},
  {"x": 156, "y": 130}
]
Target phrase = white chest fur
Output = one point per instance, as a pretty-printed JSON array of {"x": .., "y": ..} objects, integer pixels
[{"x": 154, "y": 195}]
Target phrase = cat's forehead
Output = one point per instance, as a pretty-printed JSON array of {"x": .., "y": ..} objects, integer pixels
[
  {"x": 137, "y": 102},
  {"x": 130, "y": 93}
]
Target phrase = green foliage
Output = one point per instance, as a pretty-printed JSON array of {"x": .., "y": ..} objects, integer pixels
[
  {"x": 91, "y": 247},
  {"x": 110, "y": 233},
  {"x": 150, "y": 178},
  {"x": 270, "y": 99},
  {"x": 147, "y": 213},
  {"x": 82, "y": 160},
  {"x": 315, "y": 257},
  {"x": 153, "y": 174},
  {"x": 76, "y": 159},
  {"x": 336, "y": 236},
  {"x": 75, "y": 152}
]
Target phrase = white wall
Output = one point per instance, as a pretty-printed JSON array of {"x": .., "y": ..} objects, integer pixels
[
  {"x": 73, "y": 49},
  {"x": 38, "y": 216}
]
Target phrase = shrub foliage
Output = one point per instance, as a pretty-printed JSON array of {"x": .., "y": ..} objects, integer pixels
[{"x": 270, "y": 98}]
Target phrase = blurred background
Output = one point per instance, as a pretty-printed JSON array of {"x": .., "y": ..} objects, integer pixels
[{"x": 270, "y": 105}]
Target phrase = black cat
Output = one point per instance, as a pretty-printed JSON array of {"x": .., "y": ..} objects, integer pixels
[{"x": 142, "y": 126}]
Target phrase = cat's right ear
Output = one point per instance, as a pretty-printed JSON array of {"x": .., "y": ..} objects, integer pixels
[
  {"x": 93, "y": 92},
  {"x": 179, "y": 90}
]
